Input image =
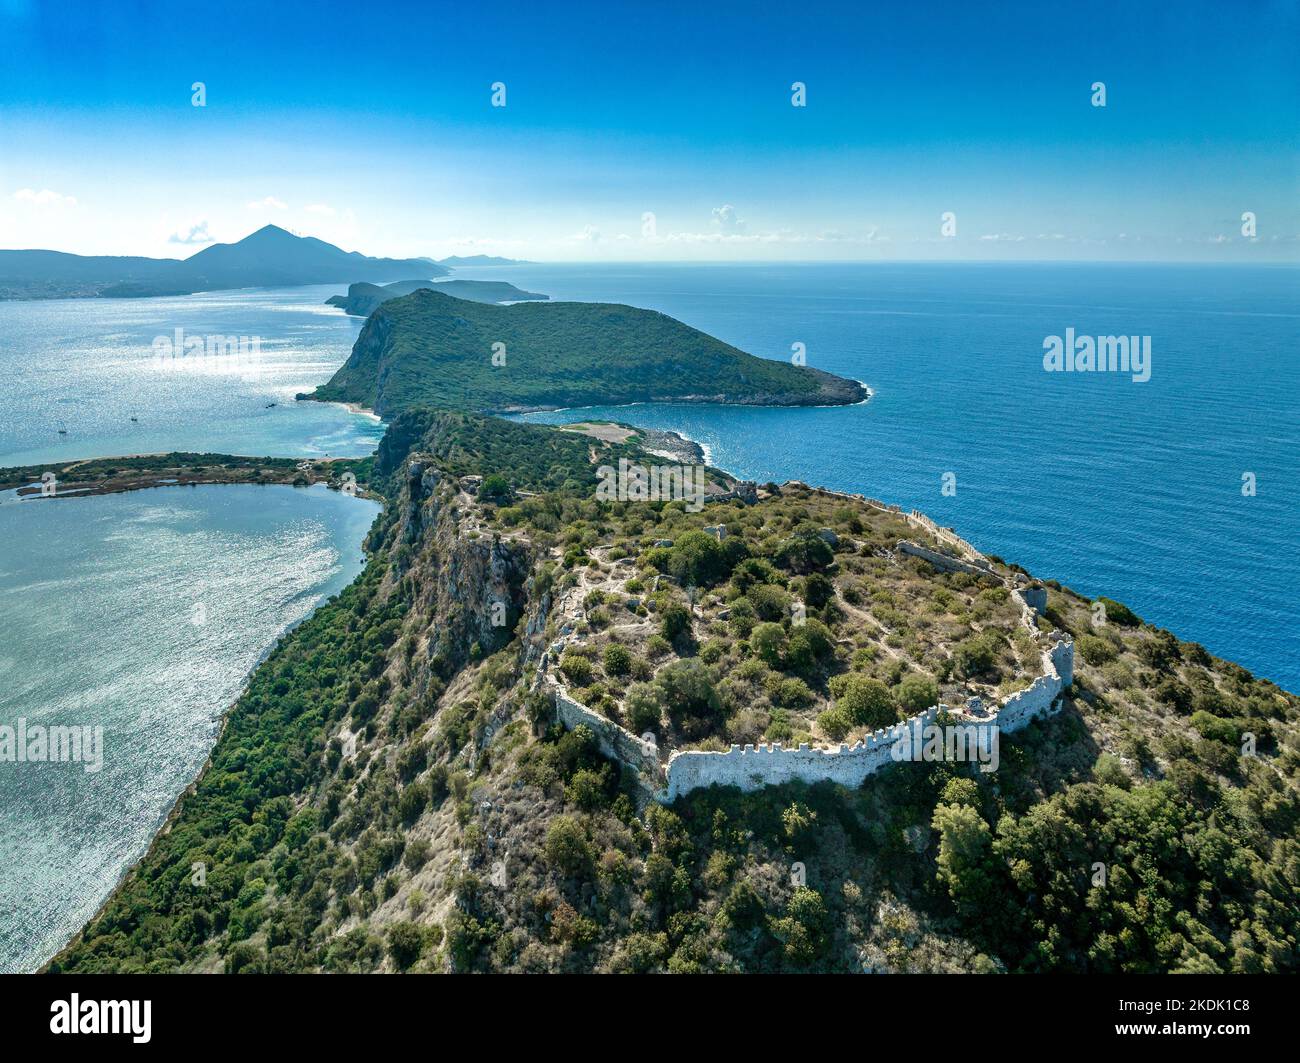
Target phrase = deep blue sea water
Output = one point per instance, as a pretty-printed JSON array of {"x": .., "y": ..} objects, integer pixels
[{"x": 1133, "y": 490}]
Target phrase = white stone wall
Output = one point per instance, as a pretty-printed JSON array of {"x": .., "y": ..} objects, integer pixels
[
  {"x": 751, "y": 768},
  {"x": 615, "y": 741},
  {"x": 943, "y": 561}
]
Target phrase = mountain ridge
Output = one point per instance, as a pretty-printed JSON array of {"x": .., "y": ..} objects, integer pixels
[{"x": 269, "y": 257}]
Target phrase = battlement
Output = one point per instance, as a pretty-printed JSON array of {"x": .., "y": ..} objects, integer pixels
[{"x": 753, "y": 767}]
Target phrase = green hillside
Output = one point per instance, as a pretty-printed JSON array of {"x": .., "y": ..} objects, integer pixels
[{"x": 428, "y": 349}]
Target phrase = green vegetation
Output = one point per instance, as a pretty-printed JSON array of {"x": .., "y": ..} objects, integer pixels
[{"x": 429, "y": 349}]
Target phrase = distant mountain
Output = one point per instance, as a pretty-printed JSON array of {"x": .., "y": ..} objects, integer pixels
[
  {"x": 268, "y": 258},
  {"x": 481, "y": 260},
  {"x": 363, "y": 298},
  {"x": 429, "y": 349}
]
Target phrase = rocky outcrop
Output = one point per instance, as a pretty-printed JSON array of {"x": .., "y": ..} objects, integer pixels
[{"x": 475, "y": 583}]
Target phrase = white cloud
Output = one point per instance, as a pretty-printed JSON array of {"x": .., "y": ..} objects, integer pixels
[
  {"x": 197, "y": 234},
  {"x": 726, "y": 219},
  {"x": 44, "y": 198},
  {"x": 589, "y": 234},
  {"x": 269, "y": 203},
  {"x": 323, "y": 209}
]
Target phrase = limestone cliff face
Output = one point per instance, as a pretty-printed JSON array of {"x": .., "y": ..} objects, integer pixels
[{"x": 468, "y": 582}]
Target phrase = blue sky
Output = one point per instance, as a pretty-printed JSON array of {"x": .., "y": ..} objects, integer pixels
[{"x": 371, "y": 125}]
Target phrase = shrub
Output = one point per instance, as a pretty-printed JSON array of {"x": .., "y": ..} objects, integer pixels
[
  {"x": 1094, "y": 650},
  {"x": 794, "y": 693},
  {"x": 405, "y": 942},
  {"x": 864, "y": 700},
  {"x": 834, "y": 724},
  {"x": 916, "y": 693},
  {"x": 778, "y": 727},
  {"x": 1216, "y": 728},
  {"x": 752, "y": 571},
  {"x": 977, "y": 655},
  {"x": 713, "y": 651},
  {"x": 767, "y": 641},
  {"x": 674, "y": 620},
  {"x": 586, "y": 789},
  {"x": 618, "y": 659},
  {"x": 769, "y": 602},
  {"x": 576, "y": 669},
  {"x": 1161, "y": 651},
  {"x": 1119, "y": 613}
]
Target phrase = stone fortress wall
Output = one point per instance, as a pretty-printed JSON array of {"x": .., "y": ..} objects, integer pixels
[{"x": 752, "y": 768}]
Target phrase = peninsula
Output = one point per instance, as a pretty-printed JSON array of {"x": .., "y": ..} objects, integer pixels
[{"x": 429, "y": 349}]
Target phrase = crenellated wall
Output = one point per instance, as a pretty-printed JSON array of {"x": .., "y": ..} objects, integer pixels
[{"x": 751, "y": 768}]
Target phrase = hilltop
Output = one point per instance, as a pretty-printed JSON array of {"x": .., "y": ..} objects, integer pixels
[
  {"x": 269, "y": 257},
  {"x": 428, "y": 348}
]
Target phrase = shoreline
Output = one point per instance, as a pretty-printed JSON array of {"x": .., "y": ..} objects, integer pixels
[{"x": 687, "y": 400}]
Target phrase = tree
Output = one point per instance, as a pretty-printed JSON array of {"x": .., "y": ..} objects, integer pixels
[
  {"x": 567, "y": 850},
  {"x": 495, "y": 488},
  {"x": 964, "y": 846},
  {"x": 689, "y": 698},
  {"x": 802, "y": 930},
  {"x": 864, "y": 700},
  {"x": 817, "y": 590},
  {"x": 642, "y": 708},
  {"x": 805, "y": 550},
  {"x": 697, "y": 558}
]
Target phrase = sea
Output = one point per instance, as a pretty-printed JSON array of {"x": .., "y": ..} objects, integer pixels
[
  {"x": 1178, "y": 494},
  {"x": 143, "y": 613}
]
